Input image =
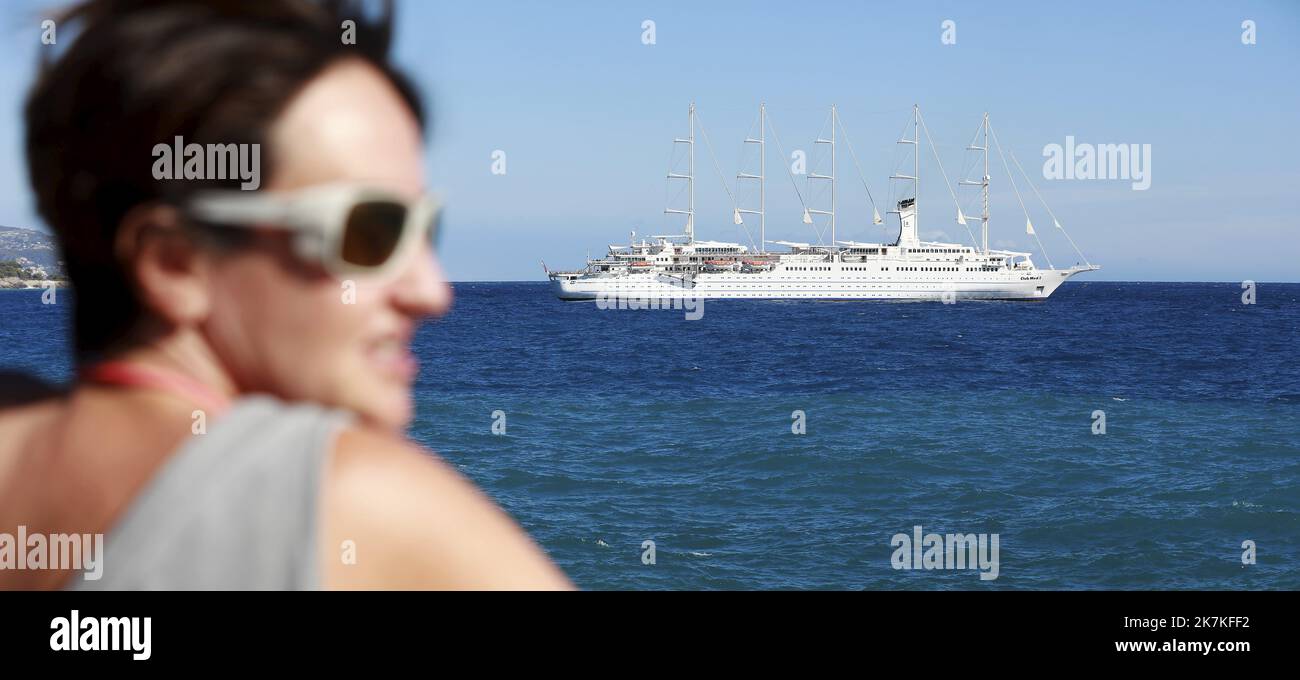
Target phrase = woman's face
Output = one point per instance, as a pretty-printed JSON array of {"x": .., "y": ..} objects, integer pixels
[{"x": 286, "y": 327}]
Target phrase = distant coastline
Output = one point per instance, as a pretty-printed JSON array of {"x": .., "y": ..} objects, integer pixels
[{"x": 15, "y": 283}]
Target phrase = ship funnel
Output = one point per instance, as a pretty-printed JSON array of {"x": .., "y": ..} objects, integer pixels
[{"x": 907, "y": 215}]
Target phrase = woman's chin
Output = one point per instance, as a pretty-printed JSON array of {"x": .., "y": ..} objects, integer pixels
[{"x": 387, "y": 409}]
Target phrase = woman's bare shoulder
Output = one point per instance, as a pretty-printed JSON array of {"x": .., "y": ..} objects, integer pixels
[
  {"x": 21, "y": 389},
  {"x": 397, "y": 516},
  {"x": 27, "y": 405}
]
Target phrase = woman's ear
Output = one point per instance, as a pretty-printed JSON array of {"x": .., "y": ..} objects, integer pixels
[{"x": 167, "y": 268}]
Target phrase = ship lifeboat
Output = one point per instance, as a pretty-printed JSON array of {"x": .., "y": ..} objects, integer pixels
[
  {"x": 638, "y": 264},
  {"x": 757, "y": 263},
  {"x": 719, "y": 263}
]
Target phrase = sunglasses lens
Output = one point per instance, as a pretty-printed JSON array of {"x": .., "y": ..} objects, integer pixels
[{"x": 372, "y": 232}]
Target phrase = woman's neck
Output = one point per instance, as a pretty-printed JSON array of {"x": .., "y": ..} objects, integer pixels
[{"x": 186, "y": 355}]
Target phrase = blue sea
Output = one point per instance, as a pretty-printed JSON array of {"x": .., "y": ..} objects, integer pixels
[{"x": 623, "y": 427}]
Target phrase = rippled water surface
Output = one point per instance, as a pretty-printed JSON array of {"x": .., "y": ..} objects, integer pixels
[{"x": 627, "y": 426}]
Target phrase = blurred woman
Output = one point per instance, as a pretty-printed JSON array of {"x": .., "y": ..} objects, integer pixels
[{"x": 242, "y": 342}]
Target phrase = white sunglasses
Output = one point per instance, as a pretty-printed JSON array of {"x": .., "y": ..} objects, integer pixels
[{"x": 349, "y": 229}]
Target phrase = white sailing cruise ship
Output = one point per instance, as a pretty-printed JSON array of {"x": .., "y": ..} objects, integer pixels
[{"x": 680, "y": 266}]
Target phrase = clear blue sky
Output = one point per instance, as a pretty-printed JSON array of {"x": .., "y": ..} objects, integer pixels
[{"x": 585, "y": 113}]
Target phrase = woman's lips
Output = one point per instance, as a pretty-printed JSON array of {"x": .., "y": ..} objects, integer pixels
[{"x": 392, "y": 357}]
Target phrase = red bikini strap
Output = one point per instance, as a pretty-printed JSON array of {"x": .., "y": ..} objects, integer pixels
[{"x": 131, "y": 374}]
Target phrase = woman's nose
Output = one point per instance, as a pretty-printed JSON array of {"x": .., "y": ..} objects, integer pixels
[{"x": 422, "y": 288}]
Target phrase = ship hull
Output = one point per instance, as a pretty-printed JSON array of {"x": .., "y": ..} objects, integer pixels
[{"x": 1031, "y": 285}]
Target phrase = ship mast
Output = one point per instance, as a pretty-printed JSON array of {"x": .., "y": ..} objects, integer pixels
[
  {"x": 916, "y": 166},
  {"x": 690, "y": 219},
  {"x": 984, "y": 216},
  {"x": 983, "y": 183},
  {"x": 831, "y": 177},
  {"x": 762, "y": 171},
  {"x": 689, "y": 177},
  {"x": 761, "y": 177},
  {"x": 914, "y": 178}
]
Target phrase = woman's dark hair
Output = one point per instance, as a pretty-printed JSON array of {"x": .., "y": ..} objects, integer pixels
[{"x": 142, "y": 72}]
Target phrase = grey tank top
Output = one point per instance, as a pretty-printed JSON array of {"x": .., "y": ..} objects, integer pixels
[{"x": 235, "y": 508}]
